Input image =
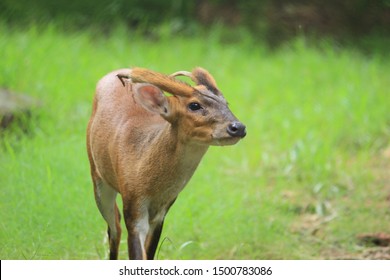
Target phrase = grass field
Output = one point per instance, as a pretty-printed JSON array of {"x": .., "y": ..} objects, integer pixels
[{"x": 311, "y": 175}]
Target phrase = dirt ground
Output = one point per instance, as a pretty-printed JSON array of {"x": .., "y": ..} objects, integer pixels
[{"x": 369, "y": 245}]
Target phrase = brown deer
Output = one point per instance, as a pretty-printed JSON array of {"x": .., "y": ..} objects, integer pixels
[{"x": 146, "y": 145}]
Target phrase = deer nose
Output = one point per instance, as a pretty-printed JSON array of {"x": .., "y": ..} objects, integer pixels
[{"x": 236, "y": 129}]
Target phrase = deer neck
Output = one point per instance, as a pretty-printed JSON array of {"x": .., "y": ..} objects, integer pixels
[{"x": 182, "y": 154}]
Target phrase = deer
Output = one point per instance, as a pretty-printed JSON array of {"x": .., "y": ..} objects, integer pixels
[{"x": 146, "y": 136}]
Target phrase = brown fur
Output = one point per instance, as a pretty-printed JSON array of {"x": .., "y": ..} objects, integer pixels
[{"x": 146, "y": 146}]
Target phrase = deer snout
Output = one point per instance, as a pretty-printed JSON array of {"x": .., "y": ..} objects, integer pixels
[{"x": 236, "y": 129}]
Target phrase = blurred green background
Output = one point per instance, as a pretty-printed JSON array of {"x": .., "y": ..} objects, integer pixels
[
  {"x": 273, "y": 20},
  {"x": 310, "y": 79}
]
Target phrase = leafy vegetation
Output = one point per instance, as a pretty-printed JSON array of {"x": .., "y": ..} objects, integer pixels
[{"x": 309, "y": 176}]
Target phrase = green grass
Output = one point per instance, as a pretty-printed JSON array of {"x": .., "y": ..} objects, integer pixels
[{"x": 309, "y": 176}]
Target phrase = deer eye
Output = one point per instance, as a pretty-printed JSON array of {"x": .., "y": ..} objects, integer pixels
[{"x": 194, "y": 106}]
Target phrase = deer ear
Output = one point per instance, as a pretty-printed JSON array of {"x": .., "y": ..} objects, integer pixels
[
  {"x": 203, "y": 78},
  {"x": 151, "y": 98}
]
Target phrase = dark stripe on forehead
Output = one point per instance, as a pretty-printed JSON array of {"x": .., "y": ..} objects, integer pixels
[{"x": 211, "y": 95}]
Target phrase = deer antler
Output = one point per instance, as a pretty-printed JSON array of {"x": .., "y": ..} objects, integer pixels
[
  {"x": 164, "y": 82},
  {"x": 201, "y": 77},
  {"x": 182, "y": 73}
]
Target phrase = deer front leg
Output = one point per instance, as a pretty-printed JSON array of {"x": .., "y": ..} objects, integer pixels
[
  {"x": 137, "y": 224},
  {"x": 153, "y": 239},
  {"x": 155, "y": 230}
]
